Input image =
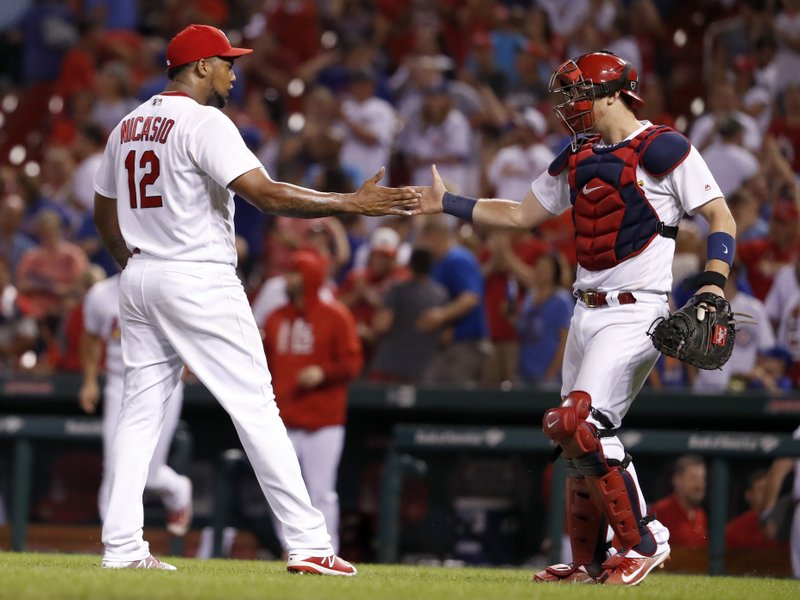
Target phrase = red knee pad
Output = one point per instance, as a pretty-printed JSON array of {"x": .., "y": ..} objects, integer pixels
[
  {"x": 581, "y": 402},
  {"x": 559, "y": 424}
]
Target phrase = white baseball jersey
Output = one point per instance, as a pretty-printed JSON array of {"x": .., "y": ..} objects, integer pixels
[
  {"x": 101, "y": 318},
  {"x": 751, "y": 338},
  {"x": 782, "y": 291},
  {"x": 731, "y": 165},
  {"x": 379, "y": 117},
  {"x": 164, "y": 161},
  {"x": 789, "y": 327},
  {"x": 685, "y": 189},
  {"x": 510, "y": 170},
  {"x": 452, "y": 137},
  {"x": 705, "y": 123}
]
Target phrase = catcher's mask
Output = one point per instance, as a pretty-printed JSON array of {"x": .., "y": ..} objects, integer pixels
[{"x": 582, "y": 81}]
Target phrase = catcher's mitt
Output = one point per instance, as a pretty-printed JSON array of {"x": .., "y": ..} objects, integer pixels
[{"x": 701, "y": 333}]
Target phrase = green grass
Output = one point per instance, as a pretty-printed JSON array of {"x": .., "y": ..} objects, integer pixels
[{"x": 57, "y": 576}]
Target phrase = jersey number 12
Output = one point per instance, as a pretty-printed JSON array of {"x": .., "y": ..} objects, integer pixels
[{"x": 148, "y": 161}]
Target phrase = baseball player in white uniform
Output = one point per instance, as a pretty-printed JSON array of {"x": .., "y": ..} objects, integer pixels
[
  {"x": 628, "y": 183},
  {"x": 102, "y": 327},
  {"x": 164, "y": 209}
]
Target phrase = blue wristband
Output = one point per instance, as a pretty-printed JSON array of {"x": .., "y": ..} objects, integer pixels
[
  {"x": 721, "y": 246},
  {"x": 459, "y": 206}
]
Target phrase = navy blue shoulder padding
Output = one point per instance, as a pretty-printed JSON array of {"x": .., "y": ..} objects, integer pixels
[
  {"x": 664, "y": 152},
  {"x": 560, "y": 161}
]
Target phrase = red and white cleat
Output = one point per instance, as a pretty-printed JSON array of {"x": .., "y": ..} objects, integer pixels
[
  {"x": 630, "y": 568},
  {"x": 320, "y": 565},
  {"x": 562, "y": 573},
  {"x": 150, "y": 562}
]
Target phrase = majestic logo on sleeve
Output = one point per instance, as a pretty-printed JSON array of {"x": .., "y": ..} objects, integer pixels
[{"x": 707, "y": 188}]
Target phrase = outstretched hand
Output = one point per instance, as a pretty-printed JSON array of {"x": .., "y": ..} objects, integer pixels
[
  {"x": 431, "y": 200},
  {"x": 376, "y": 200}
]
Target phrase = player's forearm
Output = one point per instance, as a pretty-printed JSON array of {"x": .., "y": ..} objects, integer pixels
[
  {"x": 722, "y": 222},
  {"x": 90, "y": 350},
  {"x": 107, "y": 223},
  {"x": 294, "y": 201},
  {"x": 497, "y": 212}
]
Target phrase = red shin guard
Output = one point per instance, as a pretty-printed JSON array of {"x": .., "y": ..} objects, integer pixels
[
  {"x": 611, "y": 493},
  {"x": 585, "y": 524}
]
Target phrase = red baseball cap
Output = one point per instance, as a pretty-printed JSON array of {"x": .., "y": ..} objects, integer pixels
[{"x": 200, "y": 41}]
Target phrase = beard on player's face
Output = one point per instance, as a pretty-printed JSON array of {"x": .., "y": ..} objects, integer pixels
[
  {"x": 220, "y": 69},
  {"x": 216, "y": 99}
]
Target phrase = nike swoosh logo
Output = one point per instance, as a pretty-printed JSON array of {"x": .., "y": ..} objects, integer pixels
[
  {"x": 552, "y": 421},
  {"x": 629, "y": 578},
  {"x": 587, "y": 190},
  {"x": 724, "y": 249}
]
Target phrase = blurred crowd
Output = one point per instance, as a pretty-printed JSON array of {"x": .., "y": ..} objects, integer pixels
[{"x": 338, "y": 88}]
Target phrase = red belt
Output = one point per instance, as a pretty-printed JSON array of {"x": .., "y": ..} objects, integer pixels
[{"x": 597, "y": 299}]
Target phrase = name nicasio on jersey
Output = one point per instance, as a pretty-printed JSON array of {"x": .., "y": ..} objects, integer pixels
[{"x": 145, "y": 129}]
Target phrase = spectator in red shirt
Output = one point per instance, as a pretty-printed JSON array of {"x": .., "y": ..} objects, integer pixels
[
  {"x": 763, "y": 257},
  {"x": 504, "y": 292},
  {"x": 48, "y": 277},
  {"x": 786, "y": 127},
  {"x": 682, "y": 512},
  {"x": 744, "y": 531},
  {"x": 313, "y": 351}
]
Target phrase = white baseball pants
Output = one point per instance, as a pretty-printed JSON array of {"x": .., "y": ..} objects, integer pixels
[
  {"x": 609, "y": 356},
  {"x": 319, "y": 453},
  {"x": 176, "y": 312},
  {"x": 161, "y": 479}
]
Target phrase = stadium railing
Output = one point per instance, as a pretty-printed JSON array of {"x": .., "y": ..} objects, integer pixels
[
  {"x": 411, "y": 441},
  {"x": 28, "y": 431}
]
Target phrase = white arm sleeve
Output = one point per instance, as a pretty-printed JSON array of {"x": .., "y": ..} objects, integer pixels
[
  {"x": 552, "y": 192},
  {"x": 218, "y": 149},
  {"x": 92, "y": 311},
  {"x": 693, "y": 183},
  {"x": 105, "y": 180}
]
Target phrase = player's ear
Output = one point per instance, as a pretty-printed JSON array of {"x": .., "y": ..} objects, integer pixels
[{"x": 202, "y": 67}]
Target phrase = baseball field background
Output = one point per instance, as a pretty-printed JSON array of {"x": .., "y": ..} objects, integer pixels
[{"x": 41, "y": 576}]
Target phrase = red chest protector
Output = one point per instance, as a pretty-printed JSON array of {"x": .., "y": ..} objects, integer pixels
[{"x": 613, "y": 219}]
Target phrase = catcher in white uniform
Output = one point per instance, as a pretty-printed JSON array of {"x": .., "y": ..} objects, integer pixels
[
  {"x": 101, "y": 327},
  {"x": 628, "y": 183},
  {"x": 164, "y": 209}
]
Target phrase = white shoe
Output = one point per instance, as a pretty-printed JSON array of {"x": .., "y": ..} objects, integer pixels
[{"x": 150, "y": 562}]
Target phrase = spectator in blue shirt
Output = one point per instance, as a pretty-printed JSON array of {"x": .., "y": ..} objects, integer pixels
[
  {"x": 13, "y": 243},
  {"x": 458, "y": 271},
  {"x": 543, "y": 323}
]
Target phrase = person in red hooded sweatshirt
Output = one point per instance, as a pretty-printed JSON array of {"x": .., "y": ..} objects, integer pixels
[{"x": 314, "y": 352}]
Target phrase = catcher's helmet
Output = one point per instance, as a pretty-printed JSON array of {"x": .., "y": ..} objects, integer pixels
[{"x": 591, "y": 76}]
